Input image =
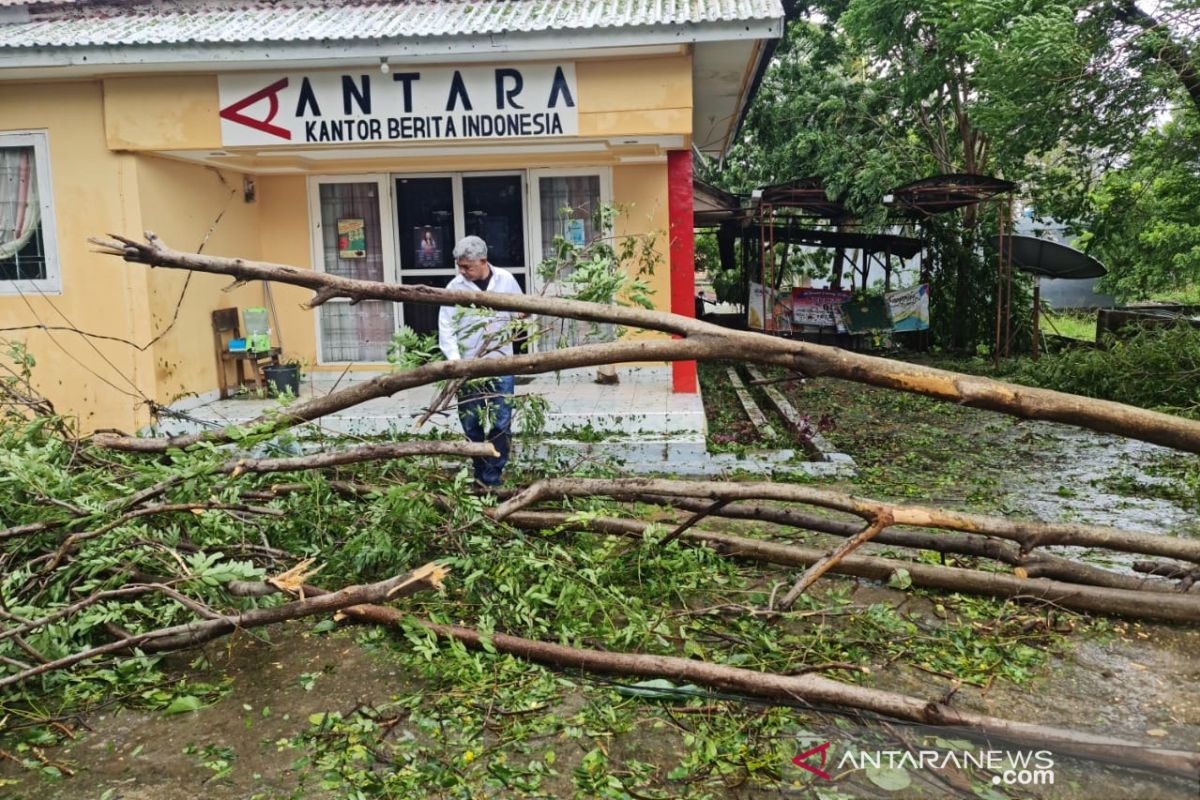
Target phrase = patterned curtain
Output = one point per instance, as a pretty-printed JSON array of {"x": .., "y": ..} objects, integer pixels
[
  {"x": 20, "y": 211},
  {"x": 363, "y": 331},
  {"x": 570, "y": 207}
]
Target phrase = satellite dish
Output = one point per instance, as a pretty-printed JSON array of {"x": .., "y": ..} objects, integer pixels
[{"x": 1050, "y": 259}]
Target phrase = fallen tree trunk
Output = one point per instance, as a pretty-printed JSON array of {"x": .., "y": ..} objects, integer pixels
[
  {"x": 809, "y": 688},
  {"x": 812, "y": 688},
  {"x": 190, "y": 634},
  {"x": 811, "y": 359},
  {"x": 1036, "y": 565},
  {"x": 1093, "y": 599},
  {"x": 1028, "y": 533}
]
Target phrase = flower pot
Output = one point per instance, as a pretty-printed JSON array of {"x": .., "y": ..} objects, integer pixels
[{"x": 282, "y": 378}]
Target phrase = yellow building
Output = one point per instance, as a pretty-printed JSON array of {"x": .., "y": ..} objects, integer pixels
[{"x": 360, "y": 138}]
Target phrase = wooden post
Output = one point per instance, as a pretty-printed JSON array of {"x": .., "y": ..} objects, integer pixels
[{"x": 1037, "y": 307}]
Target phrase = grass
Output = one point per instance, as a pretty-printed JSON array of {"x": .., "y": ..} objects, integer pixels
[
  {"x": 729, "y": 429},
  {"x": 1071, "y": 324},
  {"x": 910, "y": 447}
]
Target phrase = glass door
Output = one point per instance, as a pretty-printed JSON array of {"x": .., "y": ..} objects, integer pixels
[
  {"x": 425, "y": 220},
  {"x": 493, "y": 209},
  {"x": 434, "y": 211},
  {"x": 352, "y": 241}
]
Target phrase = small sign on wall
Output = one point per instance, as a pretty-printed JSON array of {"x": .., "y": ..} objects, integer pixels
[
  {"x": 352, "y": 238},
  {"x": 576, "y": 232},
  {"x": 428, "y": 243}
]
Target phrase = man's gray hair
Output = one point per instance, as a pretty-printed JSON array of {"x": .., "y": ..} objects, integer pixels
[{"x": 472, "y": 248}]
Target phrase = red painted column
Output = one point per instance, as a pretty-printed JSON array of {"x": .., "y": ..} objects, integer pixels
[{"x": 683, "y": 256}]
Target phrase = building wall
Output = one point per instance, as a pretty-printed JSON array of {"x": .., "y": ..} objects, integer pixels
[
  {"x": 635, "y": 96},
  {"x": 285, "y": 238},
  {"x": 193, "y": 209},
  {"x": 95, "y": 191},
  {"x": 642, "y": 190}
]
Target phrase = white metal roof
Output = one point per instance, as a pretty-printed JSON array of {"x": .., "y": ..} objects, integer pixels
[{"x": 70, "y": 24}]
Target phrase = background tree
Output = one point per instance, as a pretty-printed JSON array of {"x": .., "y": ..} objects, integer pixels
[
  {"x": 869, "y": 94},
  {"x": 1144, "y": 219}
]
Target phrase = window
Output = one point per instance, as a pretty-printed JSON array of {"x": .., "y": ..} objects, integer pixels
[
  {"x": 28, "y": 246},
  {"x": 353, "y": 240},
  {"x": 567, "y": 204}
]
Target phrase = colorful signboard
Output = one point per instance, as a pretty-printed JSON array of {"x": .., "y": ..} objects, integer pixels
[
  {"x": 768, "y": 310},
  {"x": 818, "y": 307},
  {"x": 352, "y": 238},
  {"x": 909, "y": 308}
]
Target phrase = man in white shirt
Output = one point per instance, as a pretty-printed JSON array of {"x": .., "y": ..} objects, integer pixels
[{"x": 485, "y": 409}]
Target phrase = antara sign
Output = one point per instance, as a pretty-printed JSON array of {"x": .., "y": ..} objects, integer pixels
[{"x": 408, "y": 104}]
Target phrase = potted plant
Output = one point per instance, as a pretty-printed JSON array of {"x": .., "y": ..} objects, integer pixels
[{"x": 284, "y": 377}]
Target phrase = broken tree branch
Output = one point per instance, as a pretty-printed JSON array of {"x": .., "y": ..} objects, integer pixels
[
  {"x": 387, "y": 385},
  {"x": 807, "y": 688},
  {"x": 189, "y": 634},
  {"x": 1036, "y": 564},
  {"x": 1028, "y": 533},
  {"x": 1172, "y": 607},
  {"x": 697, "y": 517},
  {"x": 811, "y": 359},
  {"x": 355, "y": 455},
  {"x": 813, "y": 573}
]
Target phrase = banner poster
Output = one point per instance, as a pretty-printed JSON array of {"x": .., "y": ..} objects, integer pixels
[
  {"x": 818, "y": 307},
  {"x": 757, "y": 307},
  {"x": 910, "y": 308},
  {"x": 352, "y": 238},
  {"x": 781, "y": 312},
  {"x": 768, "y": 310},
  {"x": 576, "y": 232}
]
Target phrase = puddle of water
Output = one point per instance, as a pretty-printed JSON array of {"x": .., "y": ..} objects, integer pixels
[{"x": 1066, "y": 482}]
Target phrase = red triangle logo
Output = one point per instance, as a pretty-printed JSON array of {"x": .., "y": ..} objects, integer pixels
[
  {"x": 802, "y": 760},
  {"x": 233, "y": 111}
]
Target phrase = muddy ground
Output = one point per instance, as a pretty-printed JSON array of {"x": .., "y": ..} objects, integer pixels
[{"x": 1123, "y": 679}]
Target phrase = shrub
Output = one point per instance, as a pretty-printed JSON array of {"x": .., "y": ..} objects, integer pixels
[{"x": 1156, "y": 368}]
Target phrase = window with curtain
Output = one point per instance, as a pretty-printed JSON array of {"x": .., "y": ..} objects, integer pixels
[
  {"x": 352, "y": 240},
  {"x": 28, "y": 262},
  {"x": 570, "y": 209}
]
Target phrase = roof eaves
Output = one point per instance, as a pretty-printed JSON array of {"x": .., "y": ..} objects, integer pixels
[{"x": 253, "y": 54}]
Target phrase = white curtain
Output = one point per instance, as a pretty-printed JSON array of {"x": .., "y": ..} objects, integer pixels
[{"x": 20, "y": 211}]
